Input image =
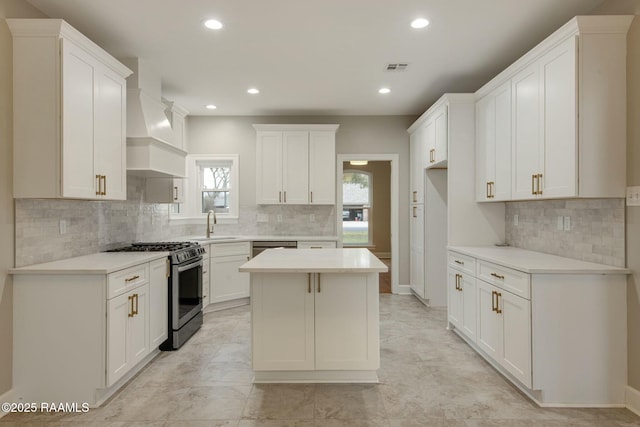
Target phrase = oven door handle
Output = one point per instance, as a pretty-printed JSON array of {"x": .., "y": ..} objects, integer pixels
[{"x": 190, "y": 266}]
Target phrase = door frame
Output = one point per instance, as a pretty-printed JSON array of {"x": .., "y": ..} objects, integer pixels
[{"x": 394, "y": 187}]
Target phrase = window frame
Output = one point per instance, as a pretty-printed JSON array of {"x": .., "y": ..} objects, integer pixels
[
  {"x": 191, "y": 209},
  {"x": 369, "y": 207}
]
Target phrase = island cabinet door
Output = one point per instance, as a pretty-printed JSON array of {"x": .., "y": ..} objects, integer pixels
[
  {"x": 282, "y": 321},
  {"x": 347, "y": 325}
]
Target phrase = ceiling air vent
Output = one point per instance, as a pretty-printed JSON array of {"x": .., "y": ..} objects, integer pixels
[{"x": 397, "y": 66}]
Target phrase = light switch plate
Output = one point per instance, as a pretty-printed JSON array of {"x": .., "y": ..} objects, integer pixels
[
  {"x": 515, "y": 219},
  {"x": 262, "y": 217},
  {"x": 63, "y": 226},
  {"x": 567, "y": 223},
  {"x": 633, "y": 196},
  {"x": 279, "y": 217},
  {"x": 312, "y": 218},
  {"x": 560, "y": 223}
]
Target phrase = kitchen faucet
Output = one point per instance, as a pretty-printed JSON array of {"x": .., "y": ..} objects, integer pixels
[{"x": 215, "y": 221}]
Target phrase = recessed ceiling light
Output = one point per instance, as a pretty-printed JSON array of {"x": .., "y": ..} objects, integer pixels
[
  {"x": 384, "y": 90},
  {"x": 253, "y": 91},
  {"x": 213, "y": 24},
  {"x": 419, "y": 23},
  {"x": 210, "y": 107}
]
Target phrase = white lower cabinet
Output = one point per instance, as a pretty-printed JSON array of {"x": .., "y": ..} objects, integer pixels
[
  {"x": 226, "y": 282},
  {"x": 113, "y": 327},
  {"x": 462, "y": 302},
  {"x": 127, "y": 332},
  {"x": 159, "y": 301},
  {"x": 504, "y": 330},
  {"x": 531, "y": 326},
  {"x": 315, "y": 322},
  {"x": 283, "y": 343},
  {"x": 206, "y": 277}
]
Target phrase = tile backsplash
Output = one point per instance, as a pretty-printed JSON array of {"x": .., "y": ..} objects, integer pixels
[
  {"x": 279, "y": 220},
  {"x": 95, "y": 226},
  {"x": 91, "y": 226},
  {"x": 597, "y": 228}
]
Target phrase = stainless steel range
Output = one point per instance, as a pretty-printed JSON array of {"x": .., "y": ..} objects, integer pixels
[{"x": 184, "y": 286}]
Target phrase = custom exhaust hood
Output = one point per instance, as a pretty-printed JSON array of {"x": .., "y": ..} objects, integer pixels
[{"x": 150, "y": 149}]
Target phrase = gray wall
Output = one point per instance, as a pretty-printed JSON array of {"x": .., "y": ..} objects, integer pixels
[
  {"x": 356, "y": 135},
  {"x": 8, "y": 9}
]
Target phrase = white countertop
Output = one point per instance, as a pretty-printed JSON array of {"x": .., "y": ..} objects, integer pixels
[
  {"x": 535, "y": 262},
  {"x": 315, "y": 261},
  {"x": 98, "y": 263},
  {"x": 215, "y": 238}
]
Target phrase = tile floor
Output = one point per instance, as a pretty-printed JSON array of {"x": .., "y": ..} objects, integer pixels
[{"x": 429, "y": 377}]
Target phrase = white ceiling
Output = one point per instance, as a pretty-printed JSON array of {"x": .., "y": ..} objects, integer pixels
[{"x": 317, "y": 57}]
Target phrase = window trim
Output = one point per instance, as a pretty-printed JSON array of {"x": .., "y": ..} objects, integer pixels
[{"x": 191, "y": 213}]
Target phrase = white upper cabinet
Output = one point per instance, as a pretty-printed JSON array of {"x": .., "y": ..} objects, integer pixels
[
  {"x": 295, "y": 170},
  {"x": 568, "y": 117},
  {"x": 295, "y": 164},
  {"x": 438, "y": 157},
  {"x": 322, "y": 166},
  {"x": 76, "y": 93},
  {"x": 416, "y": 152},
  {"x": 526, "y": 132},
  {"x": 429, "y": 142},
  {"x": 493, "y": 145}
]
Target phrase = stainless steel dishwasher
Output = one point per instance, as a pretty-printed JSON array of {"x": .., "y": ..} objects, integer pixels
[{"x": 257, "y": 247}]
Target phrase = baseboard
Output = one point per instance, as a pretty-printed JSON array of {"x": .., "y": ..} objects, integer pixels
[
  {"x": 403, "y": 290},
  {"x": 632, "y": 399},
  {"x": 6, "y": 397},
  {"x": 217, "y": 306}
]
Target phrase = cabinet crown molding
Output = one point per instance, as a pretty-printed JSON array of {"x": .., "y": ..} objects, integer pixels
[
  {"x": 445, "y": 99},
  {"x": 577, "y": 26},
  {"x": 61, "y": 29}
]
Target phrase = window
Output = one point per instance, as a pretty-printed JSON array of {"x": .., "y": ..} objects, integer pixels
[
  {"x": 357, "y": 196},
  {"x": 215, "y": 181},
  {"x": 212, "y": 185}
]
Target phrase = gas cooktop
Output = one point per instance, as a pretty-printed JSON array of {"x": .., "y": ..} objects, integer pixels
[{"x": 156, "y": 247}]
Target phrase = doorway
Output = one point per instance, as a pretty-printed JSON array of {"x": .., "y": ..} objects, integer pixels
[{"x": 367, "y": 209}]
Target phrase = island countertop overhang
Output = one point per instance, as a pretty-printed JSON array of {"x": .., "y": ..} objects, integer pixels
[{"x": 343, "y": 260}]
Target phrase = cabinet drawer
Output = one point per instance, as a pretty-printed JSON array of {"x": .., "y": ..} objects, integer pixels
[
  {"x": 225, "y": 249},
  {"x": 317, "y": 245},
  {"x": 506, "y": 278},
  {"x": 129, "y": 278},
  {"x": 463, "y": 263}
]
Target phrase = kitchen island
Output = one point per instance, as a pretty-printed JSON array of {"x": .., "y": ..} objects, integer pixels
[{"x": 315, "y": 315}]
